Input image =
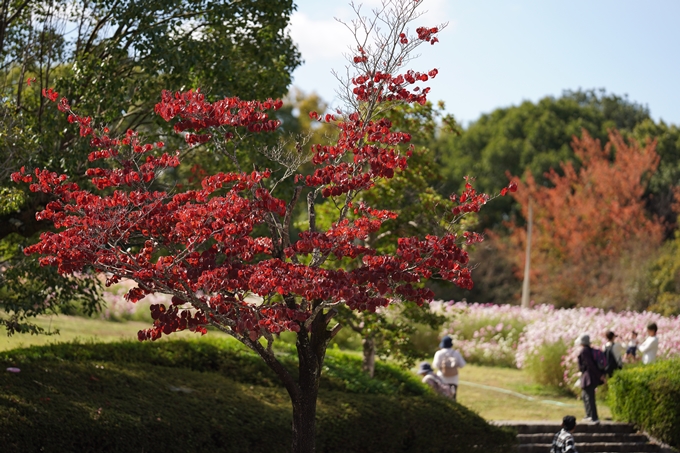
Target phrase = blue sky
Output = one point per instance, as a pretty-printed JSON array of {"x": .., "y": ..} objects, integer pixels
[{"x": 497, "y": 53}]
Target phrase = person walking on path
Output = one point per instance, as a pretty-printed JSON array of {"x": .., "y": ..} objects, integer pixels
[
  {"x": 563, "y": 442},
  {"x": 448, "y": 361},
  {"x": 613, "y": 351},
  {"x": 434, "y": 381},
  {"x": 591, "y": 378},
  {"x": 650, "y": 346}
]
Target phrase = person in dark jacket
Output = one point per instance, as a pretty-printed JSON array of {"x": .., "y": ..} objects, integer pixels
[{"x": 591, "y": 378}]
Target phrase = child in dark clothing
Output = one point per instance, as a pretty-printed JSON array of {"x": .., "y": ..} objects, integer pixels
[{"x": 563, "y": 442}]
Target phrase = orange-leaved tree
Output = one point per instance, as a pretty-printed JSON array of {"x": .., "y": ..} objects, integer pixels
[{"x": 591, "y": 229}]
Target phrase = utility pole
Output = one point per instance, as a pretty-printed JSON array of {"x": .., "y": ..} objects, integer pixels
[{"x": 527, "y": 260}]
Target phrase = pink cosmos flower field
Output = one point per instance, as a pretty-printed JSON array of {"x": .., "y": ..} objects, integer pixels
[{"x": 507, "y": 335}]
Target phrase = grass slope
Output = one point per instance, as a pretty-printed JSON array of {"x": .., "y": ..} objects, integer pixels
[
  {"x": 489, "y": 404},
  {"x": 213, "y": 395}
]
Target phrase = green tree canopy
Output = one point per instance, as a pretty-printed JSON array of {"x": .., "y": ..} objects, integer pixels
[
  {"x": 531, "y": 136},
  {"x": 661, "y": 189}
]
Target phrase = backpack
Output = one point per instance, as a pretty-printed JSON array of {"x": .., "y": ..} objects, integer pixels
[
  {"x": 436, "y": 383},
  {"x": 612, "y": 363},
  {"x": 449, "y": 367},
  {"x": 600, "y": 359}
]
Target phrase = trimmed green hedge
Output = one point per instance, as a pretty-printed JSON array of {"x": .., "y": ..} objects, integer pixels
[
  {"x": 649, "y": 396},
  {"x": 214, "y": 396}
]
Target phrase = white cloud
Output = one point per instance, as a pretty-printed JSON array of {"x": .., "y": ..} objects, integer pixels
[
  {"x": 319, "y": 39},
  {"x": 327, "y": 39}
]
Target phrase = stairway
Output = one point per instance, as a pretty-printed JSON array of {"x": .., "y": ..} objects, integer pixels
[{"x": 536, "y": 437}]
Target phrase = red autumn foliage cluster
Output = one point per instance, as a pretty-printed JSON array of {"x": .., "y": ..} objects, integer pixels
[
  {"x": 393, "y": 88},
  {"x": 588, "y": 223},
  {"x": 199, "y": 245}
]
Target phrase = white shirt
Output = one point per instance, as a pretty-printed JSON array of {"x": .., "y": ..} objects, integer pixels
[
  {"x": 439, "y": 358},
  {"x": 649, "y": 349}
]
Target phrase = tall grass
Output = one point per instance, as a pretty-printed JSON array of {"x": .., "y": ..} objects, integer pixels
[{"x": 545, "y": 365}]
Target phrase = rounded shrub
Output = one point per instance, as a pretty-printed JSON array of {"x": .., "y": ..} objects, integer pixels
[{"x": 649, "y": 396}]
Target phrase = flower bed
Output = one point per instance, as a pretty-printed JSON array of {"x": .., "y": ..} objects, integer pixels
[
  {"x": 506, "y": 335},
  {"x": 487, "y": 334}
]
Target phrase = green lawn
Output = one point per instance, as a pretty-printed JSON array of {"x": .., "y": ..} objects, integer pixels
[
  {"x": 473, "y": 392},
  {"x": 496, "y": 405},
  {"x": 82, "y": 329}
]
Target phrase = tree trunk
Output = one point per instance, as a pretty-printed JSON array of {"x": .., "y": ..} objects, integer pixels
[
  {"x": 304, "y": 420},
  {"x": 527, "y": 261},
  {"x": 311, "y": 347},
  {"x": 368, "y": 363}
]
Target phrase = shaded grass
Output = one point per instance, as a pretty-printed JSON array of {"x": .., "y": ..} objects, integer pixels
[
  {"x": 213, "y": 395},
  {"x": 82, "y": 407}
]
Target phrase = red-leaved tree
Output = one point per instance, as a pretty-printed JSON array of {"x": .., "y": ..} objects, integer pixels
[
  {"x": 591, "y": 229},
  {"x": 212, "y": 247}
]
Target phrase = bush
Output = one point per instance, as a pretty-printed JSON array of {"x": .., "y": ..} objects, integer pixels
[
  {"x": 213, "y": 395},
  {"x": 649, "y": 396},
  {"x": 545, "y": 365}
]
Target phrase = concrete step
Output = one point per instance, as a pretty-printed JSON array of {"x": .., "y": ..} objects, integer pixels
[
  {"x": 581, "y": 427},
  {"x": 594, "y": 447},
  {"x": 546, "y": 438},
  {"x": 605, "y": 437}
]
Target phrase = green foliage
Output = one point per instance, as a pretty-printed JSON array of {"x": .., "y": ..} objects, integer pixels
[
  {"x": 662, "y": 283},
  {"x": 343, "y": 372},
  {"x": 212, "y": 396},
  {"x": 662, "y": 184},
  {"x": 416, "y": 424},
  {"x": 11, "y": 199},
  {"x": 424, "y": 341},
  {"x": 649, "y": 396},
  {"x": 531, "y": 136},
  {"x": 27, "y": 289},
  {"x": 545, "y": 366}
]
